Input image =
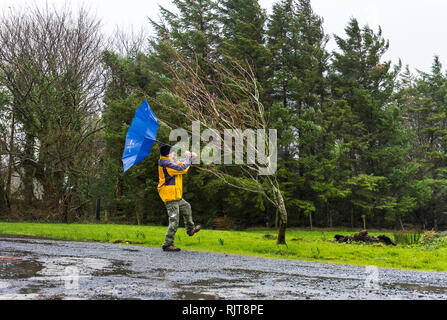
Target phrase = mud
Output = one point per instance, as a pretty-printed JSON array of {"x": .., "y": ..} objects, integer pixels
[{"x": 50, "y": 269}]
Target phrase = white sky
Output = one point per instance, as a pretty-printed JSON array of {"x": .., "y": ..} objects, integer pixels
[{"x": 416, "y": 29}]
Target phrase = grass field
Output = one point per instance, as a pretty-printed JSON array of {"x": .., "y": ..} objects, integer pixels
[{"x": 312, "y": 245}]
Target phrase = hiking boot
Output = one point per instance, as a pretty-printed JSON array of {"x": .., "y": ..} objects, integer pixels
[
  {"x": 171, "y": 248},
  {"x": 193, "y": 231}
]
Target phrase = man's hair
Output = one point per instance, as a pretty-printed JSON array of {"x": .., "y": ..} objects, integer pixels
[{"x": 165, "y": 150}]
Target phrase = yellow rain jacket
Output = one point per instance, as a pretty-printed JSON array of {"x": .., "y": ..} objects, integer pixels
[{"x": 170, "y": 187}]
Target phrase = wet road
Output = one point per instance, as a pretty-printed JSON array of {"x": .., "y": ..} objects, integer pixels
[{"x": 47, "y": 269}]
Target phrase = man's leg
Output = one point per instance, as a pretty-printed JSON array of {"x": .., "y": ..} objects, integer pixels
[
  {"x": 186, "y": 212},
  {"x": 173, "y": 213}
]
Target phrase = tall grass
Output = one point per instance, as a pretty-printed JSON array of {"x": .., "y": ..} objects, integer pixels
[{"x": 408, "y": 239}]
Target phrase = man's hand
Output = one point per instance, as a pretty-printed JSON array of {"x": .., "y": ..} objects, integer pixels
[{"x": 190, "y": 154}]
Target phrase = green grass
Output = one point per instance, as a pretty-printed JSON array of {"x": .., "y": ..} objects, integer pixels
[
  {"x": 314, "y": 246},
  {"x": 407, "y": 238}
]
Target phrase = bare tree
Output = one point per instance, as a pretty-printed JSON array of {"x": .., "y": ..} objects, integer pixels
[
  {"x": 228, "y": 101},
  {"x": 129, "y": 42},
  {"x": 50, "y": 62}
]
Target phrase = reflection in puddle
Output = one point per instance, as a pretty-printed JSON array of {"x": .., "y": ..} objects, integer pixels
[{"x": 55, "y": 268}]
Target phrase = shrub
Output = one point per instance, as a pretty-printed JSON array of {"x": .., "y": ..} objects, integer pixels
[
  {"x": 434, "y": 240},
  {"x": 428, "y": 236}
]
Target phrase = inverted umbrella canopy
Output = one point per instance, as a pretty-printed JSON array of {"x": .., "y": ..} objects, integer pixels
[{"x": 141, "y": 136}]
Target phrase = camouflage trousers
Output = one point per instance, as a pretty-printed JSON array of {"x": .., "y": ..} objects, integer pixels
[{"x": 175, "y": 209}]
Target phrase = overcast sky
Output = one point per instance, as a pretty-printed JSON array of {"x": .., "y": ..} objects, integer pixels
[{"x": 416, "y": 29}]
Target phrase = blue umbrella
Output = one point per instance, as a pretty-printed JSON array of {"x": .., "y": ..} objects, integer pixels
[{"x": 141, "y": 136}]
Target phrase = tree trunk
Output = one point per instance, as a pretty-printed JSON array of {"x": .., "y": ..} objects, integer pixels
[
  {"x": 310, "y": 220},
  {"x": 3, "y": 202},
  {"x": 282, "y": 229},
  {"x": 118, "y": 194},
  {"x": 58, "y": 193},
  {"x": 352, "y": 218},
  {"x": 139, "y": 219},
  {"x": 282, "y": 216},
  {"x": 401, "y": 224},
  {"x": 66, "y": 207},
  {"x": 11, "y": 159},
  {"x": 276, "y": 218},
  {"x": 28, "y": 179},
  {"x": 139, "y": 212}
]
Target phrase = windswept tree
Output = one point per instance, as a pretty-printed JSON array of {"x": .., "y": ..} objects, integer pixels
[{"x": 232, "y": 106}]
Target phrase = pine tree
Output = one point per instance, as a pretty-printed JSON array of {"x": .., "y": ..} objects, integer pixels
[
  {"x": 426, "y": 101},
  {"x": 297, "y": 42},
  {"x": 373, "y": 133},
  {"x": 193, "y": 31},
  {"x": 243, "y": 35},
  {"x": 299, "y": 87}
]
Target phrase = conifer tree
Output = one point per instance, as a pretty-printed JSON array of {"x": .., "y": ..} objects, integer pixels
[
  {"x": 426, "y": 104},
  {"x": 364, "y": 84},
  {"x": 297, "y": 42},
  {"x": 243, "y": 35}
]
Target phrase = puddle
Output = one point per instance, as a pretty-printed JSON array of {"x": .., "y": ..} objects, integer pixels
[
  {"x": 218, "y": 281},
  {"x": 19, "y": 269},
  {"x": 233, "y": 293},
  {"x": 128, "y": 291},
  {"x": 24, "y": 239},
  {"x": 162, "y": 274},
  {"x": 188, "y": 295},
  {"x": 56, "y": 267},
  {"x": 15, "y": 296},
  {"x": 416, "y": 287},
  {"x": 34, "y": 288},
  {"x": 115, "y": 268}
]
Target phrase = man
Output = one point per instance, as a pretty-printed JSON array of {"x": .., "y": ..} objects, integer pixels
[{"x": 170, "y": 190}]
